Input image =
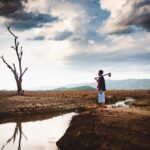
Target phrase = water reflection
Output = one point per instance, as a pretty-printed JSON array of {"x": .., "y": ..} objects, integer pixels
[
  {"x": 123, "y": 103},
  {"x": 17, "y": 130},
  {"x": 35, "y": 135}
]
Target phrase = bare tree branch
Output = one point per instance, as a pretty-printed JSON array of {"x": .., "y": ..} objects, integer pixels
[
  {"x": 24, "y": 71},
  {"x": 14, "y": 67},
  {"x": 19, "y": 53},
  {"x": 8, "y": 27},
  {"x": 2, "y": 57}
]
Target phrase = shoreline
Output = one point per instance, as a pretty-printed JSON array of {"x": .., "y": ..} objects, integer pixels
[
  {"x": 35, "y": 103},
  {"x": 111, "y": 129}
]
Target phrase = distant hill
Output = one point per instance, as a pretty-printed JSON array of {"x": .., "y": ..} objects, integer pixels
[
  {"x": 129, "y": 84},
  {"x": 78, "y": 88}
]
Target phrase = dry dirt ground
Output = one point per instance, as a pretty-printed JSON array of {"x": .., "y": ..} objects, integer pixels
[
  {"x": 50, "y": 102},
  {"x": 14, "y": 107},
  {"x": 110, "y": 129},
  {"x": 92, "y": 128}
]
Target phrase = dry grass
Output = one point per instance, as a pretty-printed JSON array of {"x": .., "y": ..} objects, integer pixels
[
  {"x": 110, "y": 94},
  {"x": 140, "y": 103},
  {"x": 44, "y": 102}
]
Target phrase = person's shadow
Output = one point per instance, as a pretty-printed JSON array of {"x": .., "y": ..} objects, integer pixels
[{"x": 17, "y": 131}]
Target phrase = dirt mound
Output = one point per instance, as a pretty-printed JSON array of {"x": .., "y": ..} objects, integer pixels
[{"x": 112, "y": 129}]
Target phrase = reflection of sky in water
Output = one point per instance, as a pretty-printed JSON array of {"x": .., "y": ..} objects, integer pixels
[
  {"x": 122, "y": 103},
  {"x": 41, "y": 135}
]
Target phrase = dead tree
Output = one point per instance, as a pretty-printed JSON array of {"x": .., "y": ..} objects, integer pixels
[{"x": 18, "y": 75}]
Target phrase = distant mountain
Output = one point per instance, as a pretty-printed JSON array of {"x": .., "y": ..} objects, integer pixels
[
  {"x": 62, "y": 89},
  {"x": 78, "y": 88},
  {"x": 129, "y": 84}
]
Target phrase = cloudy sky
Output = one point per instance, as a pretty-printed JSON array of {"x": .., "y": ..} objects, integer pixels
[{"x": 68, "y": 41}]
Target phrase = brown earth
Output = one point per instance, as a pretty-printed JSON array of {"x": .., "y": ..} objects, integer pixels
[
  {"x": 53, "y": 102},
  {"x": 140, "y": 103},
  {"x": 14, "y": 107},
  {"x": 110, "y": 129},
  {"x": 113, "y": 128}
]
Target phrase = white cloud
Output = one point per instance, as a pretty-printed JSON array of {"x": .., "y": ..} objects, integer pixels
[
  {"x": 125, "y": 16},
  {"x": 68, "y": 13},
  {"x": 37, "y": 6},
  {"x": 2, "y": 20},
  {"x": 112, "y": 6},
  {"x": 53, "y": 62},
  {"x": 129, "y": 50}
]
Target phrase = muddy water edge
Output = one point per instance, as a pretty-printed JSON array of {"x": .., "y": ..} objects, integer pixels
[
  {"x": 40, "y": 133},
  {"x": 119, "y": 126}
]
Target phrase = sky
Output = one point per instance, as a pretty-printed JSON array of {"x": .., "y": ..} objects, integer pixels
[{"x": 68, "y": 41}]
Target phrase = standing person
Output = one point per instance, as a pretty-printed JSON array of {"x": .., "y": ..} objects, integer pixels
[{"x": 101, "y": 88}]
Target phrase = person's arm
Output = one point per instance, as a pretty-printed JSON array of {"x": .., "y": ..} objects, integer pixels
[{"x": 96, "y": 78}]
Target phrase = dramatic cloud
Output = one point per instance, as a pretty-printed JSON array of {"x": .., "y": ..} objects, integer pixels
[
  {"x": 114, "y": 51},
  {"x": 20, "y": 19},
  {"x": 126, "y": 16},
  {"x": 112, "y": 59},
  {"x": 8, "y": 7},
  {"x": 72, "y": 39},
  {"x": 30, "y": 20}
]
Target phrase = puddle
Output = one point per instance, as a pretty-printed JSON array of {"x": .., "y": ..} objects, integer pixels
[
  {"x": 37, "y": 135},
  {"x": 122, "y": 103}
]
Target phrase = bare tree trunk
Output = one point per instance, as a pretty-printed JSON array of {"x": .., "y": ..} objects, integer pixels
[
  {"x": 19, "y": 87},
  {"x": 18, "y": 75},
  {"x": 18, "y": 130}
]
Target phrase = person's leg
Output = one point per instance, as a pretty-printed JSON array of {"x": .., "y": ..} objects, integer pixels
[
  {"x": 100, "y": 99},
  {"x": 103, "y": 99},
  {"x": 98, "y": 102}
]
